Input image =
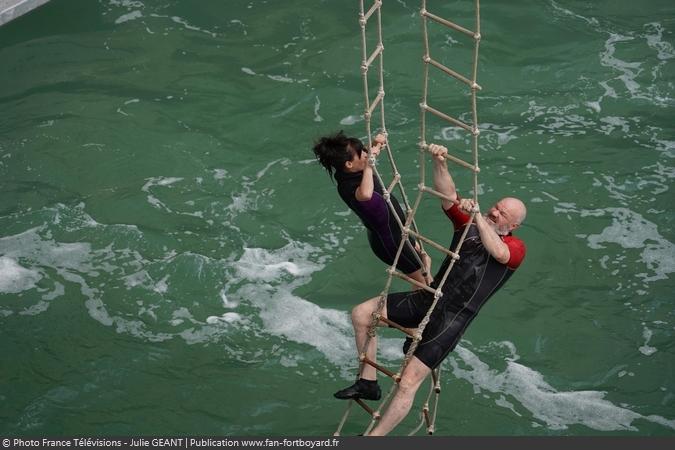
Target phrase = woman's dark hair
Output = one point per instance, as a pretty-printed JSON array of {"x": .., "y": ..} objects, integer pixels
[{"x": 335, "y": 150}]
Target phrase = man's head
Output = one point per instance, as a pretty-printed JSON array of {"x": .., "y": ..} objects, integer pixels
[
  {"x": 339, "y": 153},
  {"x": 506, "y": 215}
]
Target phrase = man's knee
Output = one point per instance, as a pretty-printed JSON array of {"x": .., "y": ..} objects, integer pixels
[
  {"x": 408, "y": 385},
  {"x": 362, "y": 314},
  {"x": 413, "y": 376}
]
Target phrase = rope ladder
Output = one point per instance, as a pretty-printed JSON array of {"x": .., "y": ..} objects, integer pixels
[{"x": 409, "y": 227}]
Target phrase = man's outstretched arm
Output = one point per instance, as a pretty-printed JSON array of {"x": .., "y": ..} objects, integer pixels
[{"x": 443, "y": 181}]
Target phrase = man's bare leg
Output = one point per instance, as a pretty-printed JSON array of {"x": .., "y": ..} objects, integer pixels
[
  {"x": 413, "y": 375},
  {"x": 362, "y": 316}
]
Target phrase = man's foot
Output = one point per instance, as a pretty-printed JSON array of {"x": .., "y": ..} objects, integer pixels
[{"x": 365, "y": 389}]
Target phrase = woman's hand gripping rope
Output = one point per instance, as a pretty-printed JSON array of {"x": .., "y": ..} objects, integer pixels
[{"x": 375, "y": 147}]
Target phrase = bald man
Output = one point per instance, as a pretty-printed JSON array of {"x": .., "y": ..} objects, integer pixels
[{"x": 489, "y": 256}]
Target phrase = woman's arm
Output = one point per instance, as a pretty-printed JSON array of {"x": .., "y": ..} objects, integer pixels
[{"x": 365, "y": 190}]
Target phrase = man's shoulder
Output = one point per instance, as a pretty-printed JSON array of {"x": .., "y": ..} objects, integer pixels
[
  {"x": 513, "y": 238},
  {"x": 517, "y": 250}
]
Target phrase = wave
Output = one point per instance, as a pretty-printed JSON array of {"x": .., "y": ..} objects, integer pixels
[{"x": 558, "y": 410}]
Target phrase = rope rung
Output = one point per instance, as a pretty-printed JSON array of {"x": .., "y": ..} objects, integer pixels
[
  {"x": 405, "y": 277},
  {"x": 463, "y": 163},
  {"x": 382, "y": 369},
  {"x": 394, "y": 182},
  {"x": 427, "y": 419},
  {"x": 435, "y": 245},
  {"x": 374, "y": 414},
  {"x": 375, "y": 54},
  {"x": 397, "y": 326},
  {"x": 378, "y": 99},
  {"x": 452, "y": 73},
  {"x": 456, "y": 160},
  {"x": 449, "y": 24},
  {"x": 437, "y": 194},
  {"x": 372, "y": 9},
  {"x": 452, "y": 120}
]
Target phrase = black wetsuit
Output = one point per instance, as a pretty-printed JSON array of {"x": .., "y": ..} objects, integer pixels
[
  {"x": 384, "y": 233},
  {"x": 475, "y": 277}
]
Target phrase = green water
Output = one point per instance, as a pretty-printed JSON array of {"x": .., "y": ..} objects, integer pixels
[{"x": 173, "y": 261}]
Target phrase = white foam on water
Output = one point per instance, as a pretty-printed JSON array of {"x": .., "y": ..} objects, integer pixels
[
  {"x": 161, "y": 287},
  {"x": 289, "y": 361},
  {"x": 317, "y": 106},
  {"x": 187, "y": 25},
  {"x": 158, "y": 181},
  {"x": 129, "y": 17},
  {"x": 140, "y": 278},
  {"x": 646, "y": 349},
  {"x": 229, "y": 317},
  {"x": 595, "y": 105},
  {"x": 589, "y": 20},
  {"x": 267, "y": 278},
  {"x": 77, "y": 263},
  {"x": 632, "y": 231},
  {"x": 15, "y": 278},
  {"x": 497, "y": 135},
  {"x": 220, "y": 174},
  {"x": 665, "y": 50},
  {"x": 281, "y": 78},
  {"x": 668, "y": 147},
  {"x": 79, "y": 219},
  {"x": 614, "y": 123},
  {"x": 241, "y": 24},
  {"x": 567, "y": 124},
  {"x": 351, "y": 120},
  {"x": 551, "y": 196},
  {"x": 127, "y": 3},
  {"x": 246, "y": 199},
  {"x": 452, "y": 134},
  {"x": 180, "y": 315},
  {"x": 261, "y": 264},
  {"x": 557, "y": 409},
  {"x": 629, "y": 70}
]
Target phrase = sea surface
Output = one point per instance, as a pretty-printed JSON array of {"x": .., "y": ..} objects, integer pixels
[{"x": 174, "y": 261}]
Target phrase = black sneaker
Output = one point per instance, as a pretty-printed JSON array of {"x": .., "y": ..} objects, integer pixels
[{"x": 365, "y": 389}]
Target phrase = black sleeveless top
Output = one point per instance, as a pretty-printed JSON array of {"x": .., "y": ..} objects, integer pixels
[{"x": 384, "y": 233}]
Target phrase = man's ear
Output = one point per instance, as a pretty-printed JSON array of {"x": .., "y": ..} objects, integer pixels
[
  {"x": 514, "y": 226},
  {"x": 349, "y": 165}
]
